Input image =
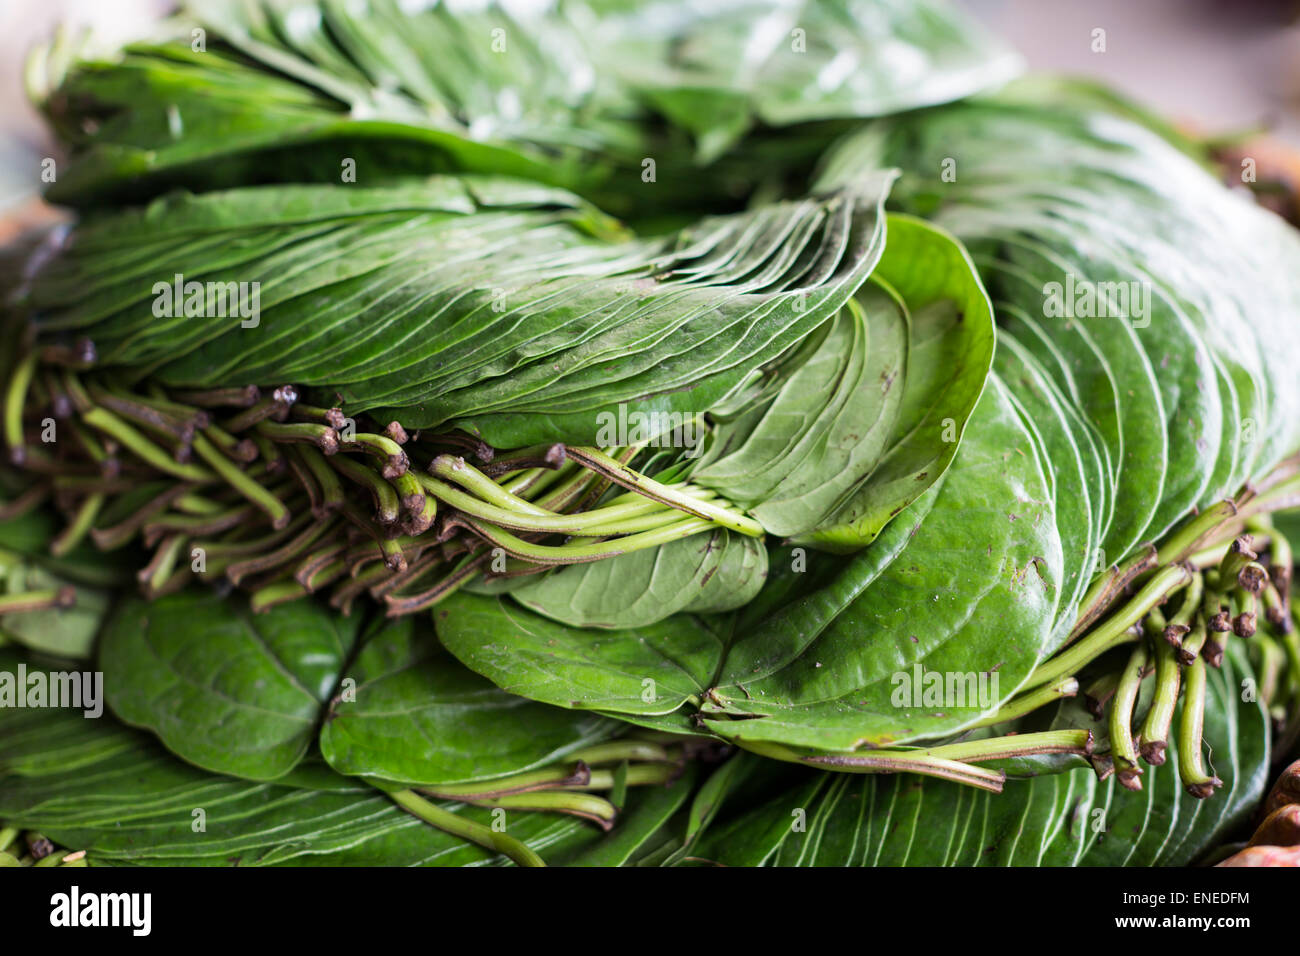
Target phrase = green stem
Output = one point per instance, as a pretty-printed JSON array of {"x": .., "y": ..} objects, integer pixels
[
  {"x": 331, "y": 489},
  {"x": 616, "y": 751},
  {"x": 1114, "y": 630},
  {"x": 548, "y": 778},
  {"x": 457, "y": 470},
  {"x": 1012, "y": 745},
  {"x": 1193, "y": 642},
  {"x": 277, "y": 592},
  {"x": 1027, "y": 703},
  {"x": 620, "y": 474},
  {"x": 43, "y": 600},
  {"x": 1099, "y": 693},
  {"x": 1184, "y": 542},
  {"x": 1104, "y": 590},
  {"x": 1123, "y": 749},
  {"x": 15, "y": 398},
  {"x": 105, "y": 421},
  {"x": 259, "y": 411},
  {"x": 586, "y": 805},
  {"x": 242, "y": 483},
  {"x": 457, "y": 825},
  {"x": 387, "y": 505},
  {"x": 77, "y": 529},
  {"x": 322, "y": 437},
  {"x": 1154, "y": 739},
  {"x": 220, "y": 397},
  {"x": 286, "y": 552},
  {"x": 583, "y": 553},
  {"x": 393, "y": 460},
  {"x": 886, "y": 762},
  {"x": 155, "y": 575},
  {"x": 1239, "y": 556},
  {"x": 1191, "y": 767},
  {"x": 880, "y": 762},
  {"x": 452, "y": 582},
  {"x": 241, "y": 450},
  {"x": 611, "y": 520},
  {"x": 1181, "y": 623}
]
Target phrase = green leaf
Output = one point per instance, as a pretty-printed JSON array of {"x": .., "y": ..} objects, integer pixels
[
  {"x": 1127, "y": 270},
  {"x": 704, "y": 573},
  {"x": 950, "y": 349},
  {"x": 648, "y": 670},
  {"x": 806, "y": 677},
  {"x": 419, "y": 717},
  {"x": 822, "y": 435},
  {"x": 228, "y": 690},
  {"x": 40, "y": 740}
]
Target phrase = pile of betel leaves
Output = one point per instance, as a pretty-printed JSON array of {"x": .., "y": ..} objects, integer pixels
[{"x": 637, "y": 433}]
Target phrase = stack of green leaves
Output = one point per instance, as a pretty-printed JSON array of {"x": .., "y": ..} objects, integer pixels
[{"x": 1000, "y": 392}]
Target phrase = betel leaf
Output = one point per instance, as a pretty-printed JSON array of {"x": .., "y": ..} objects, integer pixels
[
  {"x": 1111, "y": 248},
  {"x": 649, "y": 670},
  {"x": 728, "y": 65},
  {"x": 231, "y": 691},
  {"x": 141, "y": 806},
  {"x": 703, "y": 573},
  {"x": 26, "y": 565},
  {"x": 790, "y": 463},
  {"x": 482, "y": 303},
  {"x": 949, "y": 352},
  {"x": 417, "y": 716},
  {"x": 1073, "y": 468},
  {"x": 98, "y": 786},
  {"x": 1066, "y": 819},
  {"x": 821, "y": 671}
]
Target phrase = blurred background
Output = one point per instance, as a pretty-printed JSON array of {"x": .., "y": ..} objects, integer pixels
[{"x": 1218, "y": 66}]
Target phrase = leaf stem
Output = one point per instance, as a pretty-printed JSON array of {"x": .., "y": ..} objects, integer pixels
[
  {"x": 1123, "y": 749},
  {"x": 241, "y": 482},
  {"x": 105, "y": 421},
  {"x": 387, "y": 505},
  {"x": 1154, "y": 738},
  {"x": 457, "y": 470},
  {"x": 1027, "y": 703},
  {"x": 1191, "y": 726},
  {"x": 457, "y": 825},
  {"x": 1012, "y": 745},
  {"x": 1114, "y": 630},
  {"x": 585, "y": 805},
  {"x": 20, "y": 380},
  {"x": 43, "y": 600},
  {"x": 76, "y": 531},
  {"x": 1104, "y": 590},
  {"x": 617, "y": 472},
  {"x": 584, "y": 553}
]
